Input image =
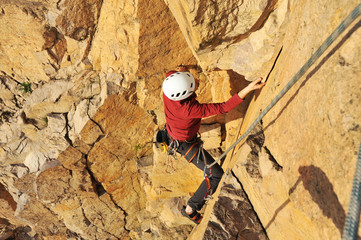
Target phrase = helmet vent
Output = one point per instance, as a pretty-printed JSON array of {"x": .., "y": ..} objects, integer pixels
[
  {"x": 191, "y": 85},
  {"x": 188, "y": 75},
  {"x": 172, "y": 95},
  {"x": 184, "y": 93},
  {"x": 178, "y": 94}
]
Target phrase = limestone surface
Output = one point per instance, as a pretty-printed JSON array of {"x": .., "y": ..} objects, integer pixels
[{"x": 81, "y": 102}]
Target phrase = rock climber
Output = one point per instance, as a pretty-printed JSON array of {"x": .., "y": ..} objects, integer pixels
[{"x": 183, "y": 119}]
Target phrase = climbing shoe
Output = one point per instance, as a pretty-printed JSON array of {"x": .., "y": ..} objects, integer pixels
[{"x": 195, "y": 216}]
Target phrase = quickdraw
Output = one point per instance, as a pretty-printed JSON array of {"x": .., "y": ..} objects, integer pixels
[
  {"x": 209, "y": 190},
  {"x": 171, "y": 152},
  {"x": 206, "y": 176}
]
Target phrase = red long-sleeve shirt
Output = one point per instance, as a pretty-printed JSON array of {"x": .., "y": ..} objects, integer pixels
[{"x": 184, "y": 117}]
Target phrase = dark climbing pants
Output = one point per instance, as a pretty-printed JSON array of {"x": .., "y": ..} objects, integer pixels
[{"x": 197, "y": 201}]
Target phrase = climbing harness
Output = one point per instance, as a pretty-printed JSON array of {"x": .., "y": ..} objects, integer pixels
[
  {"x": 189, "y": 150},
  {"x": 348, "y": 20}
]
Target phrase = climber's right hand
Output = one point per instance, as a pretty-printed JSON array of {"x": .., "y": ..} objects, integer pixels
[{"x": 257, "y": 84}]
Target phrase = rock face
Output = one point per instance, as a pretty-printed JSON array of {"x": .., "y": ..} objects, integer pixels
[
  {"x": 237, "y": 35},
  {"x": 233, "y": 215},
  {"x": 80, "y": 97}
]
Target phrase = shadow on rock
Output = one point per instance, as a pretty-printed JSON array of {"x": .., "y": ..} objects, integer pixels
[{"x": 317, "y": 184}]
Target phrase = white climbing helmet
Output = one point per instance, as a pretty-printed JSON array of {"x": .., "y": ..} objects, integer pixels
[{"x": 179, "y": 86}]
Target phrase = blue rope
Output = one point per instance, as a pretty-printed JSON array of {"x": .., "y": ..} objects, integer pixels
[
  {"x": 348, "y": 20},
  {"x": 353, "y": 214}
]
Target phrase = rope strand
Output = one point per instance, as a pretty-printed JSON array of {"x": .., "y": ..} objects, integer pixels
[
  {"x": 348, "y": 20},
  {"x": 353, "y": 214}
]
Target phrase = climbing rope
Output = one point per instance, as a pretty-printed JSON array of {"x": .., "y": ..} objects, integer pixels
[
  {"x": 353, "y": 214},
  {"x": 348, "y": 20}
]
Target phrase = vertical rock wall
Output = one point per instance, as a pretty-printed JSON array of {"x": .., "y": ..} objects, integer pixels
[
  {"x": 313, "y": 133},
  {"x": 297, "y": 167},
  {"x": 80, "y": 97}
]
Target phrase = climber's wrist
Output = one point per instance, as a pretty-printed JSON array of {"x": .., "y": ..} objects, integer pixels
[{"x": 244, "y": 92}]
